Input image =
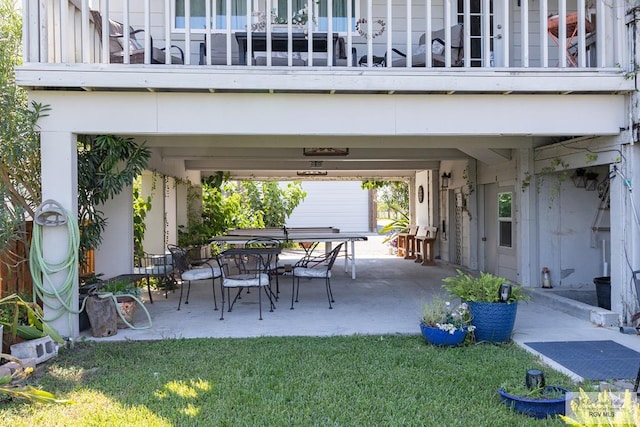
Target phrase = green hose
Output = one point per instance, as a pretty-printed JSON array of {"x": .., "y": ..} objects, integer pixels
[{"x": 41, "y": 270}]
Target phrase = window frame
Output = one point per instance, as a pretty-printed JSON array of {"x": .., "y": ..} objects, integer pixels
[{"x": 505, "y": 220}]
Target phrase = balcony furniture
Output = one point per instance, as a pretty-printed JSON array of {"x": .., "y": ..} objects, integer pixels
[
  {"x": 218, "y": 50},
  {"x": 438, "y": 49},
  {"x": 159, "y": 266},
  {"x": 407, "y": 243},
  {"x": 314, "y": 267},
  {"x": 136, "y": 48},
  {"x": 424, "y": 246},
  {"x": 280, "y": 43},
  {"x": 571, "y": 21},
  {"x": 251, "y": 271},
  {"x": 194, "y": 269}
]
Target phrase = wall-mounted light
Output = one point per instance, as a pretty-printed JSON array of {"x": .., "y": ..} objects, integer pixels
[
  {"x": 312, "y": 173},
  {"x": 444, "y": 180},
  {"x": 325, "y": 151}
]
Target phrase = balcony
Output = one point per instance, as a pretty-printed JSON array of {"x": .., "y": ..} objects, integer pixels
[{"x": 397, "y": 46}]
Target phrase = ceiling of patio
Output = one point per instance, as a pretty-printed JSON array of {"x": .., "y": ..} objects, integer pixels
[{"x": 282, "y": 157}]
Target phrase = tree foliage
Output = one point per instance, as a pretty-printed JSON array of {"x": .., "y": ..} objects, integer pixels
[
  {"x": 240, "y": 204},
  {"x": 19, "y": 138},
  {"x": 393, "y": 197},
  {"x": 106, "y": 165}
]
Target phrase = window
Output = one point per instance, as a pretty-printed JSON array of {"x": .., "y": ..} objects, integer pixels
[
  {"x": 239, "y": 13},
  {"x": 504, "y": 219}
]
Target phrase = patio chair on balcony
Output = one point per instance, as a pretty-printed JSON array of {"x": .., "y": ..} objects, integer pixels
[
  {"x": 136, "y": 48},
  {"x": 438, "y": 50},
  {"x": 315, "y": 267},
  {"x": 194, "y": 269}
]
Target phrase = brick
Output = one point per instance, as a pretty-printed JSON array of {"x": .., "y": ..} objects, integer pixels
[{"x": 40, "y": 349}]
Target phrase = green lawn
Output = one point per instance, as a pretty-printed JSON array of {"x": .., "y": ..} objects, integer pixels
[{"x": 339, "y": 381}]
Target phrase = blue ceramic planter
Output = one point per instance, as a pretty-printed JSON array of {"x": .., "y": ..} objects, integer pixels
[
  {"x": 439, "y": 337},
  {"x": 538, "y": 408},
  {"x": 493, "y": 320}
]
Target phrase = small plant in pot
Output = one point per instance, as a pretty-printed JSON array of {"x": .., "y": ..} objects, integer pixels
[
  {"x": 124, "y": 292},
  {"x": 492, "y": 301},
  {"x": 445, "y": 324}
]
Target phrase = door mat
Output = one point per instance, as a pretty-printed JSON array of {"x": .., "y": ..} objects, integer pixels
[{"x": 592, "y": 360}]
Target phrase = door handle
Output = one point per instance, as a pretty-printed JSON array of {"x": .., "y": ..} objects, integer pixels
[{"x": 498, "y": 36}]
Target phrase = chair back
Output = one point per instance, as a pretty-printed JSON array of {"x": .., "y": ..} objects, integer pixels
[
  {"x": 116, "y": 33},
  {"x": 431, "y": 232},
  {"x": 179, "y": 257},
  {"x": 333, "y": 255},
  {"x": 325, "y": 261},
  {"x": 413, "y": 230},
  {"x": 456, "y": 45}
]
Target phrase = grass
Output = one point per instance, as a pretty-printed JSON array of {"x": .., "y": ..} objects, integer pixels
[{"x": 301, "y": 381}]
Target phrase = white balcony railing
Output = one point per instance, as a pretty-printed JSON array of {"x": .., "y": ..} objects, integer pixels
[{"x": 320, "y": 33}]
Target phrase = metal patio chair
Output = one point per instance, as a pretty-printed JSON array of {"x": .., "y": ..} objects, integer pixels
[
  {"x": 250, "y": 271},
  {"x": 314, "y": 267},
  {"x": 195, "y": 269}
]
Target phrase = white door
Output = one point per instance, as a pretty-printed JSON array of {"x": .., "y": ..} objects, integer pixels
[{"x": 486, "y": 21}]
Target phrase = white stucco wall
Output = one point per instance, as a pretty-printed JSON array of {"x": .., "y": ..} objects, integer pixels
[
  {"x": 567, "y": 247},
  {"x": 340, "y": 204}
]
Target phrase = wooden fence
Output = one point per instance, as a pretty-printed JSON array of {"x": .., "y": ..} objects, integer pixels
[{"x": 15, "y": 276}]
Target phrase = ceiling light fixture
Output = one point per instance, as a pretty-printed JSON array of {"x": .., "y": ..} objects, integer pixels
[
  {"x": 325, "y": 151},
  {"x": 312, "y": 173}
]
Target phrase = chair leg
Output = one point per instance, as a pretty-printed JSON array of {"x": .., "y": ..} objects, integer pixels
[
  {"x": 222, "y": 307},
  {"x": 180, "y": 299},
  {"x": 329, "y": 296},
  {"x": 186, "y": 301},
  {"x": 213, "y": 286},
  {"x": 293, "y": 289},
  {"x": 260, "y": 303},
  {"x": 149, "y": 289}
]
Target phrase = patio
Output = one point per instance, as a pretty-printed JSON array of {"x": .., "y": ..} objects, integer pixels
[{"x": 386, "y": 298}]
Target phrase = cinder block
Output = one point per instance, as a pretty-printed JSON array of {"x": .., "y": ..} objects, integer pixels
[
  {"x": 604, "y": 318},
  {"x": 40, "y": 349}
]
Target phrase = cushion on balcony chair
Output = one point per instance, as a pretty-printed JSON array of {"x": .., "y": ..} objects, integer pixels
[{"x": 438, "y": 49}]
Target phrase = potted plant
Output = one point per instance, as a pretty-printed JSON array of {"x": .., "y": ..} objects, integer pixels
[
  {"x": 444, "y": 324},
  {"x": 534, "y": 398},
  {"x": 538, "y": 403},
  {"x": 125, "y": 293},
  {"x": 492, "y": 301}
]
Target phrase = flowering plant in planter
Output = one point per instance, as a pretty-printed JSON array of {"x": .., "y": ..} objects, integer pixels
[{"x": 446, "y": 316}]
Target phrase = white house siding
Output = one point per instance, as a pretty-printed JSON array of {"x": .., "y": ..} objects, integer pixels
[{"x": 340, "y": 204}]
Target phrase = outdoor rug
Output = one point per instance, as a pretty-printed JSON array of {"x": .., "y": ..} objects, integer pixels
[{"x": 592, "y": 360}]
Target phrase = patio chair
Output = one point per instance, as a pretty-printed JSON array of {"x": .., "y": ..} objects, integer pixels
[
  {"x": 159, "y": 266},
  {"x": 314, "y": 267},
  {"x": 136, "y": 49},
  {"x": 270, "y": 259},
  {"x": 407, "y": 243},
  {"x": 438, "y": 49},
  {"x": 252, "y": 272},
  {"x": 194, "y": 269}
]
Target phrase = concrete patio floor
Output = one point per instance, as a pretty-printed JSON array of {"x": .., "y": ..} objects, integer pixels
[{"x": 385, "y": 298}]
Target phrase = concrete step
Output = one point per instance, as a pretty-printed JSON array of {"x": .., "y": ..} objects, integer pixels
[{"x": 596, "y": 315}]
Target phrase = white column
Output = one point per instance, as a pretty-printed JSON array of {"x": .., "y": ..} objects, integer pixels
[
  {"x": 114, "y": 256},
  {"x": 59, "y": 159},
  {"x": 625, "y": 236},
  {"x": 525, "y": 218}
]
